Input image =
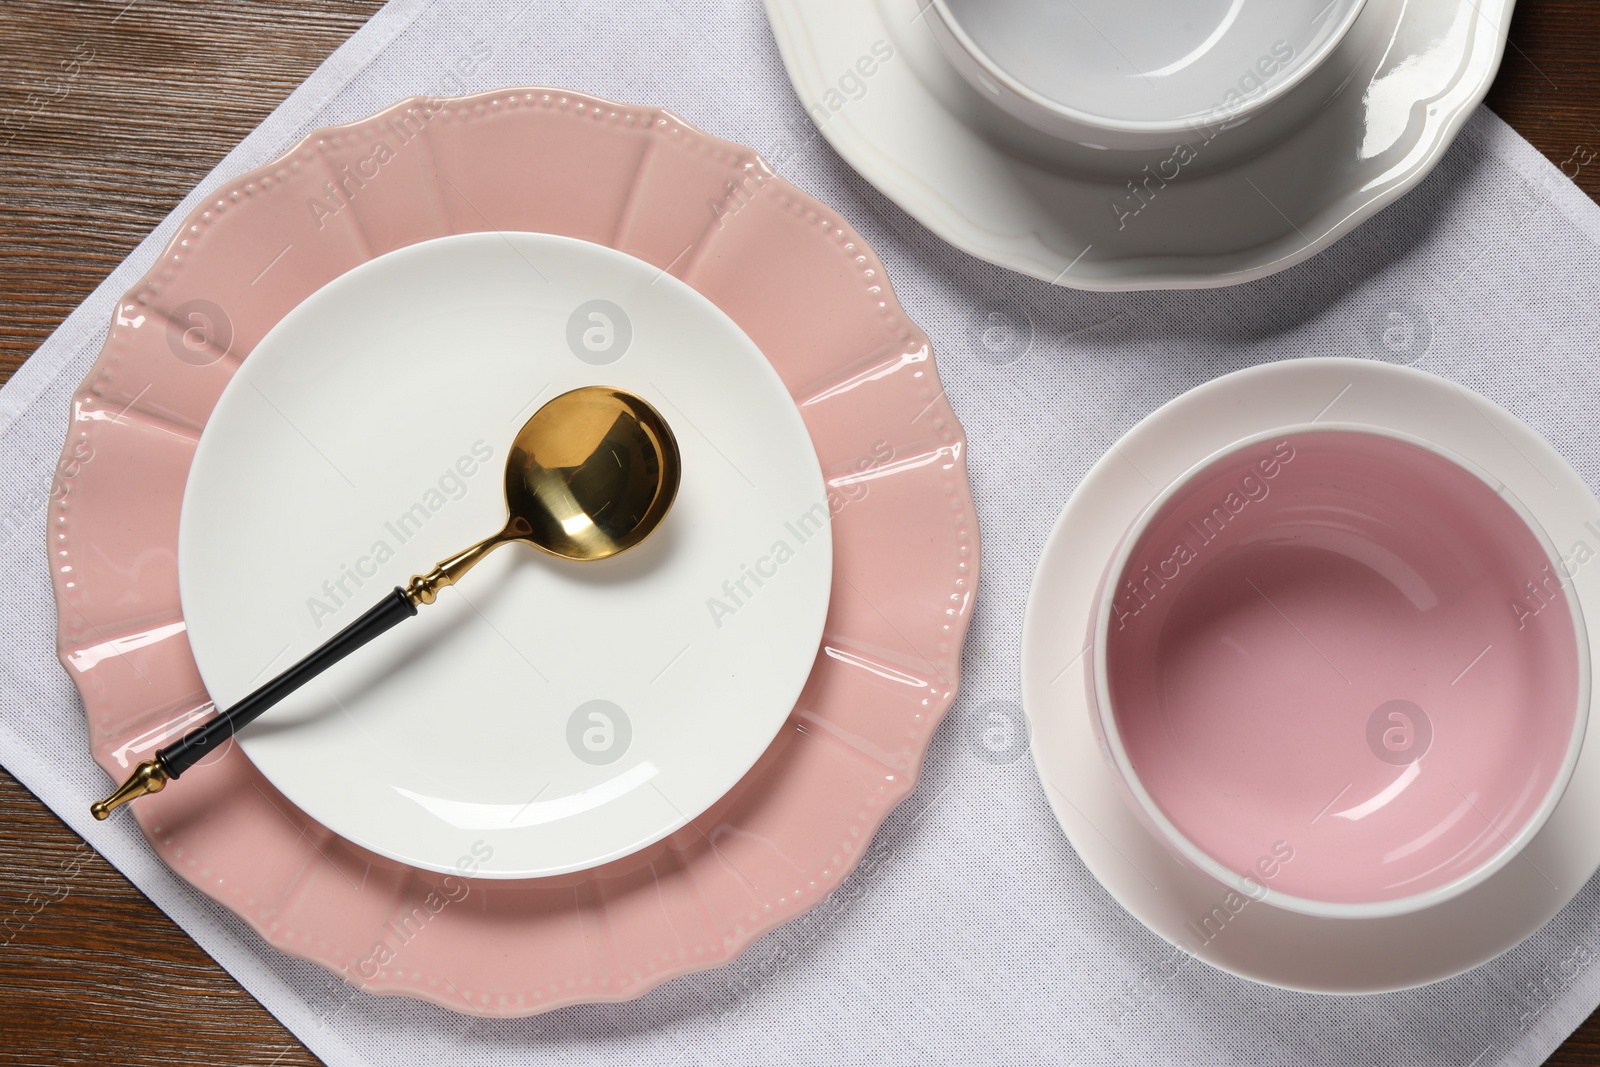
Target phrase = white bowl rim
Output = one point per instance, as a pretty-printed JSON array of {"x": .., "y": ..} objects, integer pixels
[
  {"x": 1178, "y": 842},
  {"x": 1210, "y": 119}
]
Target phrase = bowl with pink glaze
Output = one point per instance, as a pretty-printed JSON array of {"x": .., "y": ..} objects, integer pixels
[{"x": 1337, "y": 668}]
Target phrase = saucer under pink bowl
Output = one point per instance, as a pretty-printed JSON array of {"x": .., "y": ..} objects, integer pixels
[
  {"x": 1225, "y": 922},
  {"x": 1340, "y": 670}
]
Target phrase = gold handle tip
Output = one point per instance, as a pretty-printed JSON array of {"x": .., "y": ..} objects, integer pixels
[{"x": 149, "y": 777}]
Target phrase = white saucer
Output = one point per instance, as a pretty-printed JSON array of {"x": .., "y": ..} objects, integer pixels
[
  {"x": 544, "y": 716},
  {"x": 1258, "y": 198},
  {"x": 1253, "y": 938}
]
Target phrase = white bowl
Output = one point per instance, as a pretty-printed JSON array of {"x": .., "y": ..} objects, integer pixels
[{"x": 1132, "y": 74}]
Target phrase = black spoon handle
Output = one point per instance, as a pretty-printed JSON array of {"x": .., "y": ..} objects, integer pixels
[
  {"x": 170, "y": 762},
  {"x": 203, "y": 740}
]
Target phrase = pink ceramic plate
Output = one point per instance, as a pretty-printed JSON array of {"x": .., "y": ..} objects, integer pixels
[{"x": 807, "y": 290}]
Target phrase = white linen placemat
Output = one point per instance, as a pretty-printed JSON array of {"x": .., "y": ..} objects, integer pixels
[{"x": 976, "y": 935}]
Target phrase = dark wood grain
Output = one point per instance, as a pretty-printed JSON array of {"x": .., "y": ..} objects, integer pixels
[
  {"x": 1549, "y": 84},
  {"x": 109, "y": 113},
  {"x": 153, "y": 94}
]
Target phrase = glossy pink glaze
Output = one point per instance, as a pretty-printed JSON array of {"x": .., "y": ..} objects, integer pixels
[
  {"x": 794, "y": 275},
  {"x": 1294, "y": 589}
]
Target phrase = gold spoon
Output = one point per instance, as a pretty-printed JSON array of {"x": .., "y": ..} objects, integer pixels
[{"x": 591, "y": 474}]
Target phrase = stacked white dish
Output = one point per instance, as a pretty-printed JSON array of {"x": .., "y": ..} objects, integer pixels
[{"x": 1273, "y": 131}]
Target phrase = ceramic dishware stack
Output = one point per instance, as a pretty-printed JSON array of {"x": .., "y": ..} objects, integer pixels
[
  {"x": 1326, "y": 687},
  {"x": 668, "y": 752},
  {"x": 1147, "y": 145}
]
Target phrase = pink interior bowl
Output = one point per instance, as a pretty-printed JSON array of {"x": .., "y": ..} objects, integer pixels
[{"x": 1337, "y": 669}]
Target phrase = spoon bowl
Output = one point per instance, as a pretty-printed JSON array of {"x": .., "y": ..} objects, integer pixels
[{"x": 591, "y": 474}]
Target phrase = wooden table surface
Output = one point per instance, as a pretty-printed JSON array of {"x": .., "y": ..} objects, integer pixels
[{"x": 109, "y": 113}]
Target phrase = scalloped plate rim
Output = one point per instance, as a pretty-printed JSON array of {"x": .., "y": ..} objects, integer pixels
[{"x": 905, "y": 783}]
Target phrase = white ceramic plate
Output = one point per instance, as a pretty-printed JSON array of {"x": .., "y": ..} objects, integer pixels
[
  {"x": 544, "y": 716},
  {"x": 1254, "y": 200},
  {"x": 1252, "y": 938}
]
